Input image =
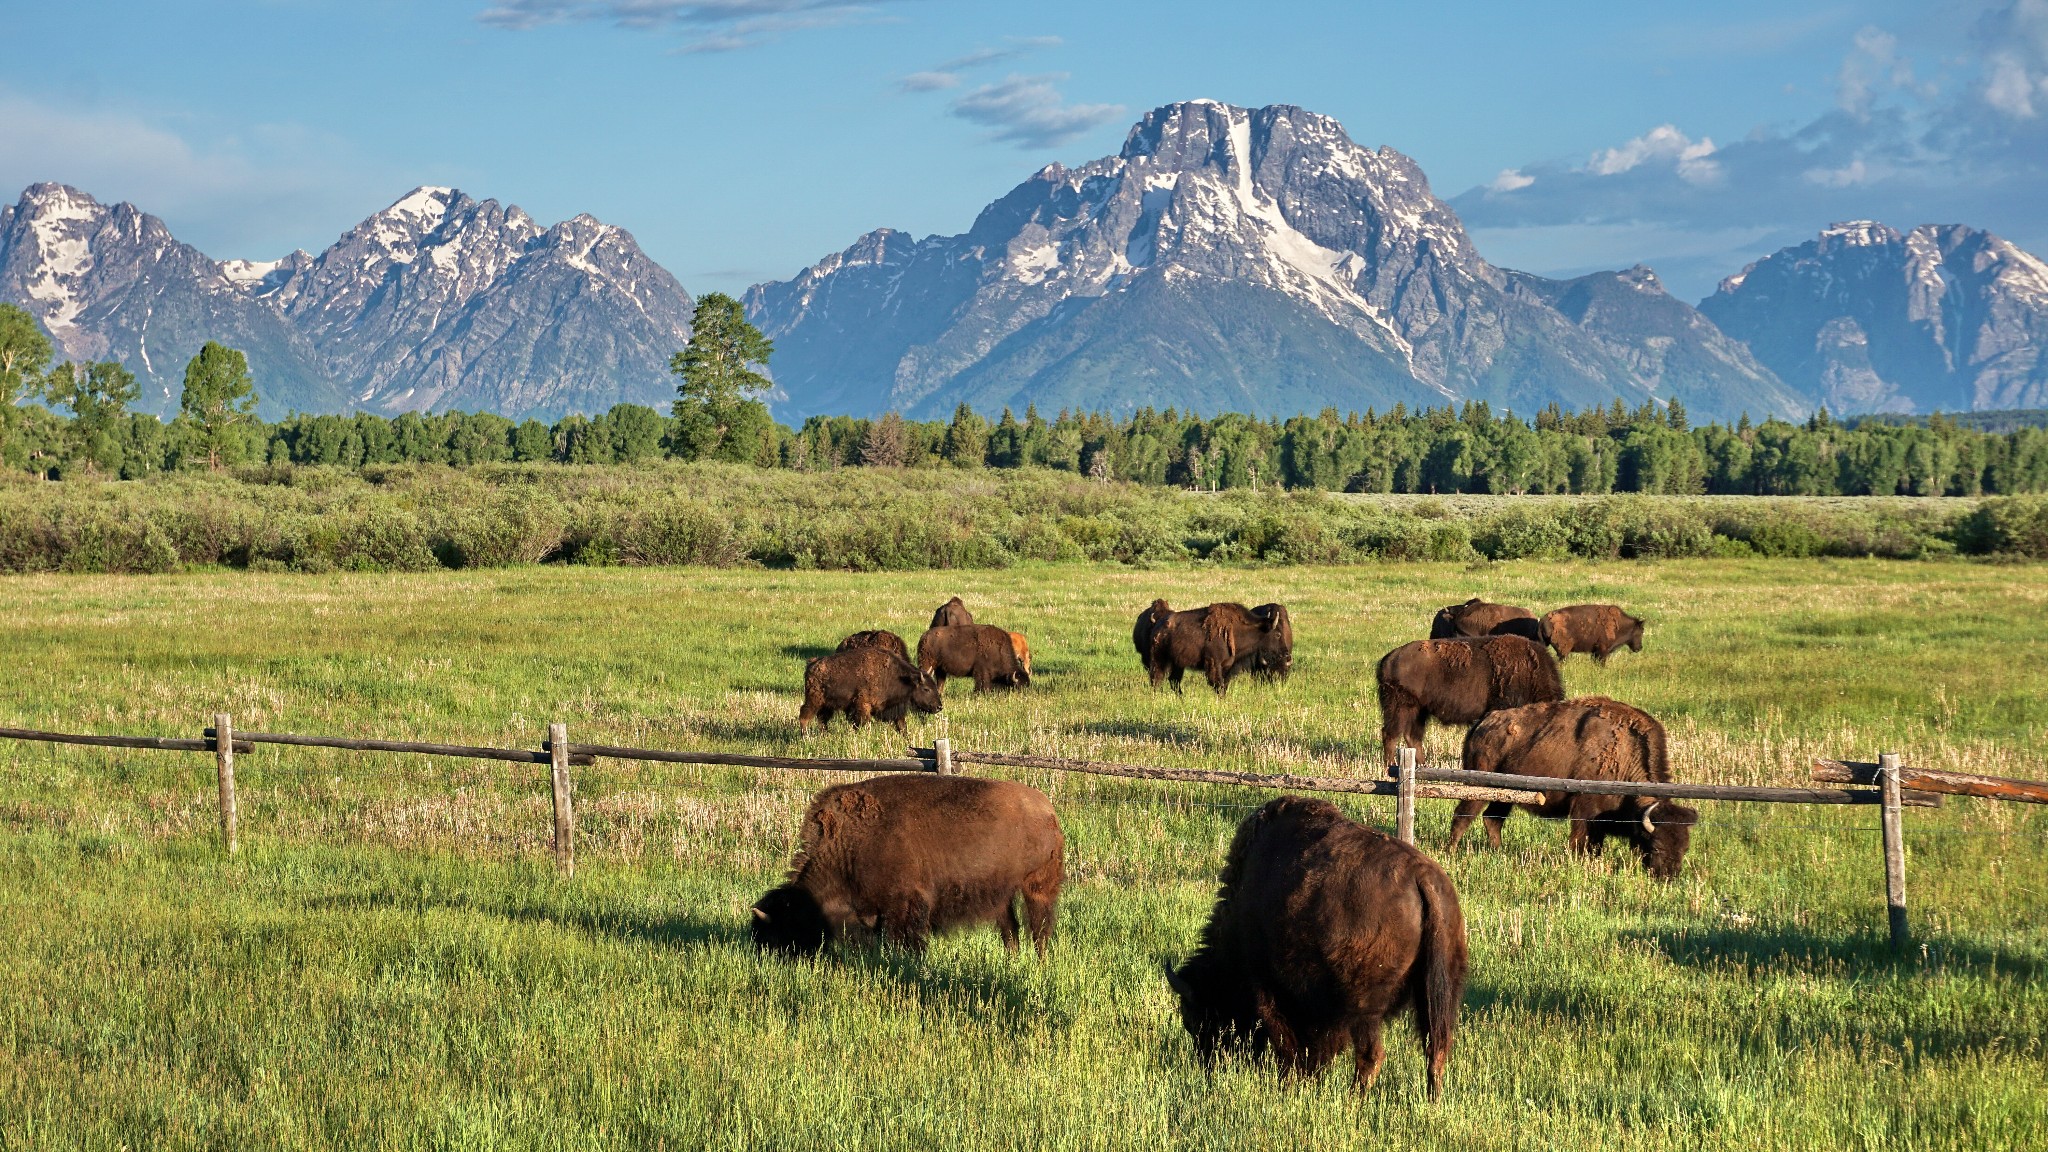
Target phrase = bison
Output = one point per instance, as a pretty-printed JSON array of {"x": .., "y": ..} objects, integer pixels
[
  {"x": 877, "y": 638},
  {"x": 1223, "y": 640},
  {"x": 1592, "y": 738},
  {"x": 981, "y": 652},
  {"x": 1595, "y": 628},
  {"x": 1021, "y": 649},
  {"x": 952, "y": 614},
  {"x": 1458, "y": 681},
  {"x": 1322, "y": 928},
  {"x": 902, "y": 857},
  {"x": 1147, "y": 626},
  {"x": 866, "y": 684},
  {"x": 1475, "y": 617}
]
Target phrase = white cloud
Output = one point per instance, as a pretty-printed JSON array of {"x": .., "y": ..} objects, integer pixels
[
  {"x": 1509, "y": 180},
  {"x": 947, "y": 75},
  {"x": 1030, "y": 112},
  {"x": 714, "y": 25},
  {"x": 2010, "y": 88},
  {"x": 1692, "y": 158},
  {"x": 1847, "y": 176}
]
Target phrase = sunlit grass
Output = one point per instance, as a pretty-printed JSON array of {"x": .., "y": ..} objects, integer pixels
[{"x": 392, "y": 960}]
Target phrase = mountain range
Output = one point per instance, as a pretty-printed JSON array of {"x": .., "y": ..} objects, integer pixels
[{"x": 1224, "y": 259}]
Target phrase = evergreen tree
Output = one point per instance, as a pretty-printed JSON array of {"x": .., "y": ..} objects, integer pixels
[
  {"x": 218, "y": 395},
  {"x": 886, "y": 444},
  {"x": 716, "y": 413},
  {"x": 966, "y": 443}
]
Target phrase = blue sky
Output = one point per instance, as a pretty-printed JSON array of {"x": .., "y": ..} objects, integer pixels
[{"x": 740, "y": 140}]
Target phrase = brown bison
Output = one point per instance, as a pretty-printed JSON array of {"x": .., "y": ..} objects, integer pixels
[
  {"x": 952, "y": 614},
  {"x": 1021, "y": 649},
  {"x": 1475, "y": 617},
  {"x": 902, "y": 857},
  {"x": 1147, "y": 626},
  {"x": 1591, "y": 738},
  {"x": 866, "y": 684},
  {"x": 1458, "y": 681},
  {"x": 877, "y": 638},
  {"x": 1322, "y": 928},
  {"x": 1223, "y": 640},
  {"x": 981, "y": 652},
  {"x": 1595, "y": 628}
]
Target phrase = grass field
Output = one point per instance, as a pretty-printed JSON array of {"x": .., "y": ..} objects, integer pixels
[{"x": 392, "y": 961}]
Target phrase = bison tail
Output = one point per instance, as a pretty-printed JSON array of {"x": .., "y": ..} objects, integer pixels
[{"x": 1443, "y": 973}]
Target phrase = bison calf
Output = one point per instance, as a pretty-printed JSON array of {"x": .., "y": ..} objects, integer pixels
[
  {"x": 1457, "y": 682},
  {"x": 866, "y": 684},
  {"x": 1591, "y": 738},
  {"x": 902, "y": 857},
  {"x": 1475, "y": 617},
  {"x": 980, "y": 652},
  {"x": 1222, "y": 640},
  {"x": 1595, "y": 628},
  {"x": 1323, "y": 928}
]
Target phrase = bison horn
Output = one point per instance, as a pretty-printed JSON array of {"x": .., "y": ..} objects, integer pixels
[
  {"x": 1649, "y": 828},
  {"x": 1173, "y": 980},
  {"x": 760, "y": 915}
]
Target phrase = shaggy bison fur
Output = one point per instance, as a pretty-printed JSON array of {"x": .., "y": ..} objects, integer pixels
[
  {"x": 877, "y": 638},
  {"x": 866, "y": 684},
  {"x": 1458, "y": 681},
  {"x": 980, "y": 652},
  {"x": 1021, "y": 649},
  {"x": 1475, "y": 617},
  {"x": 1591, "y": 738},
  {"x": 1147, "y": 626},
  {"x": 952, "y": 614},
  {"x": 902, "y": 857},
  {"x": 1322, "y": 928},
  {"x": 1595, "y": 628},
  {"x": 1223, "y": 640}
]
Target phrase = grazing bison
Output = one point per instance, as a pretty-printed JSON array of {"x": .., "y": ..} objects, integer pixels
[
  {"x": 1595, "y": 628},
  {"x": 1223, "y": 640},
  {"x": 981, "y": 652},
  {"x": 1147, "y": 626},
  {"x": 952, "y": 614},
  {"x": 902, "y": 857},
  {"x": 1591, "y": 738},
  {"x": 1458, "y": 681},
  {"x": 877, "y": 638},
  {"x": 1322, "y": 928},
  {"x": 1021, "y": 649},
  {"x": 866, "y": 684},
  {"x": 1475, "y": 617}
]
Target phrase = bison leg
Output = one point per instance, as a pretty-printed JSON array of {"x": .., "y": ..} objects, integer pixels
[
  {"x": 1585, "y": 811},
  {"x": 1041, "y": 901},
  {"x": 1403, "y": 723},
  {"x": 860, "y": 715},
  {"x": 1008, "y": 924},
  {"x": 1286, "y": 1048},
  {"x": 909, "y": 923},
  {"x": 1175, "y": 676},
  {"x": 1496, "y": 819},
  {"x": 1468, "y": 811},
  {"x": 807, "y": 716},
  {"x": 1368, "y": 1052}
]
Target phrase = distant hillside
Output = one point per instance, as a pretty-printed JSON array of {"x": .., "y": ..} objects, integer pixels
[{"x": 2005, "y": 420}]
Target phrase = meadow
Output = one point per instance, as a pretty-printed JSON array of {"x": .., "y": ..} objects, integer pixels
[{"x": 392, "y": 960}]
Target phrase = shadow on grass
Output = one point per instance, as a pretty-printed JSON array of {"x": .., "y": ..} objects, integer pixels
[
  {"x": 1000, "y": 996},
  {"x": 1863, "y": 954},
  {"x": 806, "y": 651},
  {"x": 1172, "y": 732},
  {"x": 624, "y": 924},
  {"x": 779, "y": 729}
]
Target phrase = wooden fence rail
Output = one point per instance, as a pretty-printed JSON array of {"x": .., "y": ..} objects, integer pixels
[{"x": 1896, "y": 786}]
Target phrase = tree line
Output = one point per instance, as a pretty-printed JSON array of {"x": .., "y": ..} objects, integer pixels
[{"x": 717, "y": 415}]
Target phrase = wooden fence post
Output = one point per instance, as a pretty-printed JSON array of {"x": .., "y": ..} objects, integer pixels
[
  {"x": 1404, "y": 800},
  {"x": 224, "y": 768},
  {"x": 1894, "y": 849},
  {"x": 942, "y": 756},
  {"x": 565, "y": 816}
]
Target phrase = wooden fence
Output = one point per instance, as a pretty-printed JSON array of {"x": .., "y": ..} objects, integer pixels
[{"x": 1887, "y": 784}]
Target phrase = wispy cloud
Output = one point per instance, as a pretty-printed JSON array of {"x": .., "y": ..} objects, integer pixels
[
  {"x": 1030, "y": 112},
  {"x": 948, "y": 75},
  {"x": 711, "y": 25},
  {"x": 1896, "y": 146}
]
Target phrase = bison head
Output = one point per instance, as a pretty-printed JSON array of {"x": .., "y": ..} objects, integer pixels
[
  {"x": 1665, "y": 835},
  {"x": 789, "y": 920},
  {"x": 924, "y": 691},
  {"x": 1218, "y": 1013},
  {"x": 1633, "y": 634},
  {"x": 1275, "y": 656}
]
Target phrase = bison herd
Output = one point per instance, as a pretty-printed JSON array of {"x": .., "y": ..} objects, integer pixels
[{"x": 1322, "y": 927}]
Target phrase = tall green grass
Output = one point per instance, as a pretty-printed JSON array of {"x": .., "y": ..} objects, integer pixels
[{"x": 391, "y": 960}]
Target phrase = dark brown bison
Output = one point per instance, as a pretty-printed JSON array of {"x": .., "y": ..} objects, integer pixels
[
  {"x": 981, "y": 652},
  {"x": 877, "y": 638},
  {"x": 1323, "y": 928},
  {"x": 1595, "y": 628},
  {"x": 902, "y": 857},
  {"x": 1142, "y": 632},
  {"x": 1223, "y": 640},
  {"x": 1475, "y": 617},
  {"x": 952, "y": 614},
  {"x": 1591, "y": 738},
  {"x": 866, "y": 684},
  {"x": 1458, "y": 681}
]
